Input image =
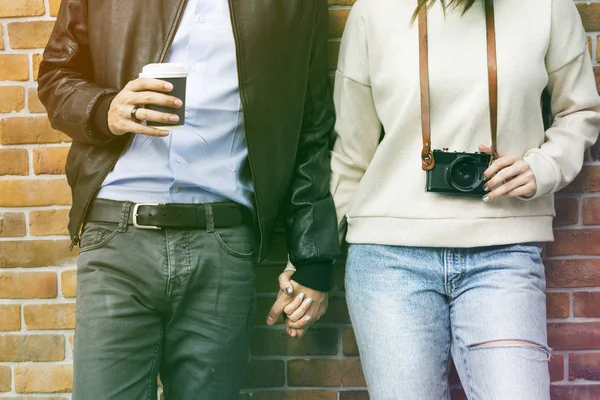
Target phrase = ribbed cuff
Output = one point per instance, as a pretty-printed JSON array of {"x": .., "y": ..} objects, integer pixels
[
  {"x": 100, "y": 116},
  {"x": 315, "y": 275}
]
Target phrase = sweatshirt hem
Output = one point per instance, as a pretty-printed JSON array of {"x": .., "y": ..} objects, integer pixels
[{"x": 449, "y": 232}]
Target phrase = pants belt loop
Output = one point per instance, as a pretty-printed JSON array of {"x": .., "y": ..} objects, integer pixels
[
  {"x": 125, "y": 211},
  {"x": 210, "y": 219}
]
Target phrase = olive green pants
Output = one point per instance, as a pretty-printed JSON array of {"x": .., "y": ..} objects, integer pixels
[{"x": 178, "y": 303}]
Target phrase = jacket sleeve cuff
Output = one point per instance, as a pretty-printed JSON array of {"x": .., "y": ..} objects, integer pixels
[
  {"x": 314, "y": 275},
  {"x": 545, "y": 170},
  {"x": 100, "y": 116}
]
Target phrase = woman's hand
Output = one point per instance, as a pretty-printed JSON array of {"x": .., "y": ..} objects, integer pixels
[
  {"x": 301, "y": 306},
  {"x": 508, "y": 176}
]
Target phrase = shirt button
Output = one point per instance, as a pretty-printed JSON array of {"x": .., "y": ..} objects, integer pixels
[
  {"x": 202, "y": 20},
  {"x": 178, "y": 159},
  {"x": 176, "y": 190},
  {"x": 187, "y": 114},
  {"x": 194, "y": 69}
]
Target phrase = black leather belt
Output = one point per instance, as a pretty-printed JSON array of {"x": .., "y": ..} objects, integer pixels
[{"x": 170, "y": 216}]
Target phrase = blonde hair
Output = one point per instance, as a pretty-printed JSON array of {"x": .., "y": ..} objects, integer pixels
[{"x": 465, "y": 4}]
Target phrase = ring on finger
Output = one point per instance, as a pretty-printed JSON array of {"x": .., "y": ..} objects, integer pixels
[{"x": 133, "y": 113}]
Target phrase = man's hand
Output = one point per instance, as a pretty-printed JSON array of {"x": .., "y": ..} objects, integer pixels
[
  {"x": 139, "y": 93},
  {"x": 508, "y": 176},
  {"x": 302, "y": 306}
]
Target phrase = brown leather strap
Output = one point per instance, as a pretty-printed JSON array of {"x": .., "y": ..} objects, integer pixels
[
  {"x": 492, "y": 73},
  {"x": 426, "y": 155},
  {"x": 427, "y": 159}
]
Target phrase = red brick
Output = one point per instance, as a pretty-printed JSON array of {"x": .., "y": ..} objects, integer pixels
[
  {"x": 591, "y": 211},
  {"x": 333, "y": 51},
  {"x": 10, "y": 317},
  {"x": 50, "y": 160},
  {"x": 14, "y": 67},
  {"x": 48, "y": 222},
  {"x": 354, "y": 395},
  {"x": 21, "y": 8},
  {"x": 575, "y": 242},
  {"x": 35, "y": 253},
  {"x": 271, "y": 342},
  {"x": 586, "y": 304},
  {"x": 326, "y": 373},
  {"x": 49, "y": 316},
  {"x": 576, "y": 392},
  {"x": 28, "y": 285},
  {"x": 572, "y": 273},
  {"x": 43, "y": 378},
  {"x": 558, "y": 305},
  {"x": 337, "y": 312},
  {"x": 292, "y": 395},
  {"x": 349, "y": 345},
  {"x": 574, "y": 335},
  {"x": 21, "y": 348},
  {"x": 12, "y": 224},
  {"x": 12, "y": 98},
  {"x": 341, "y": 2},
  {"x": 567, "y": 211},
  {"x": 5, "y": 377},
  {"x": 267, "y": 278},
  {"x": 584, "y": 366},
  {"x": 337, "y": 22},
  {"x": 458, "y": 394},
  {"x": 30, "y": 34},
  {"x": 34, "y": 192},
  {"x": 265, "y": 374},
  {"x": 29, "y": 130},
  {"x": 590, "y": 15},
  {"x": 14, "y": 162},
  {"x": 556, "y": 365},
  {"x": 587, "y": 181}
]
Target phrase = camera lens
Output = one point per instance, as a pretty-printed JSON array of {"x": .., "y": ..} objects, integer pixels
[{"x": 464, "y": 175}]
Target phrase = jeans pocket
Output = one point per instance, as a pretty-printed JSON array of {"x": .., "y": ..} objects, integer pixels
[
  {"x": 237, "y": 241},
  {"x": 96, "y": 235}
]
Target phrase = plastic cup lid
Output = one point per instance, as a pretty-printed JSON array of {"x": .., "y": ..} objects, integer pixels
[{"x": 165, "y": 70}]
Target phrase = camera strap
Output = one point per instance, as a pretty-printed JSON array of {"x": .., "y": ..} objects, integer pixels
[{"x": 426, "y": 153}]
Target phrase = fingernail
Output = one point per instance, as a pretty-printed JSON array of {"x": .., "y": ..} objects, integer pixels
[
  {"x": 168, "y": 86},
  {"x": 301, "y": 296},
  {"x": 165, "y": 133},
  {"x": 173, "y": 118},
  {"x": 307, "y": 318},
  {"x": 486, "y": 199},
  {"x": 288, "y": 290},
  {"x": 309, "y": 301},
  {"x": 270, "y": 320},
  {"x": 486, "y": 189},
  {"x": 178, "y": 103}
]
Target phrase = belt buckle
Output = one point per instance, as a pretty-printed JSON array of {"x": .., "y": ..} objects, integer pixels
[{"x": 135, "y": 215}]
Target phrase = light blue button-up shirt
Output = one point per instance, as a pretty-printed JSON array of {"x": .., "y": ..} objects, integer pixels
[{"x": 206, "y": 159}]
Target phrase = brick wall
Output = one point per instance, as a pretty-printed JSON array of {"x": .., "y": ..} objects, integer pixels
[{"x": 37, "y": 279}]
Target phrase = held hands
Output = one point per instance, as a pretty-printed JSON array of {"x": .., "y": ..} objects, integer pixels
[
  {"x": 508, "y": 176},
  {"x": 301, "y": 306},
  {"x": 139, "y": 93}
]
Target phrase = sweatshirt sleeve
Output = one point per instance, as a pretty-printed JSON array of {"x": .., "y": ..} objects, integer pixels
[
  {"x": 357, "y": 129},
  {"x": 574, "y": 100}
]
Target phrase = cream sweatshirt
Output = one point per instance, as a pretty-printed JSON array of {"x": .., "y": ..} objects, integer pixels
[{"x": 380, "y": 187}]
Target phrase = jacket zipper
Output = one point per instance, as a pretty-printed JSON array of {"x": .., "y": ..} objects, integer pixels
[
  {"x": 162, "y": 58},
  {"x": 244, "y": 101}
]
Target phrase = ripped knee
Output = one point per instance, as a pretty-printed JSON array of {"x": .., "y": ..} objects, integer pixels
[
  {"x": 514, "y": 343},
  {"x": 508, "y": 343}
]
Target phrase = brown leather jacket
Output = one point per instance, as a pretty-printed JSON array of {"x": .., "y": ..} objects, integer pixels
[{"x": 97, "y": 47}]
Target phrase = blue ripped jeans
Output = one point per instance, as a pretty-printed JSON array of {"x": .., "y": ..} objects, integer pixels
[{"x": 412, "y": 307}]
